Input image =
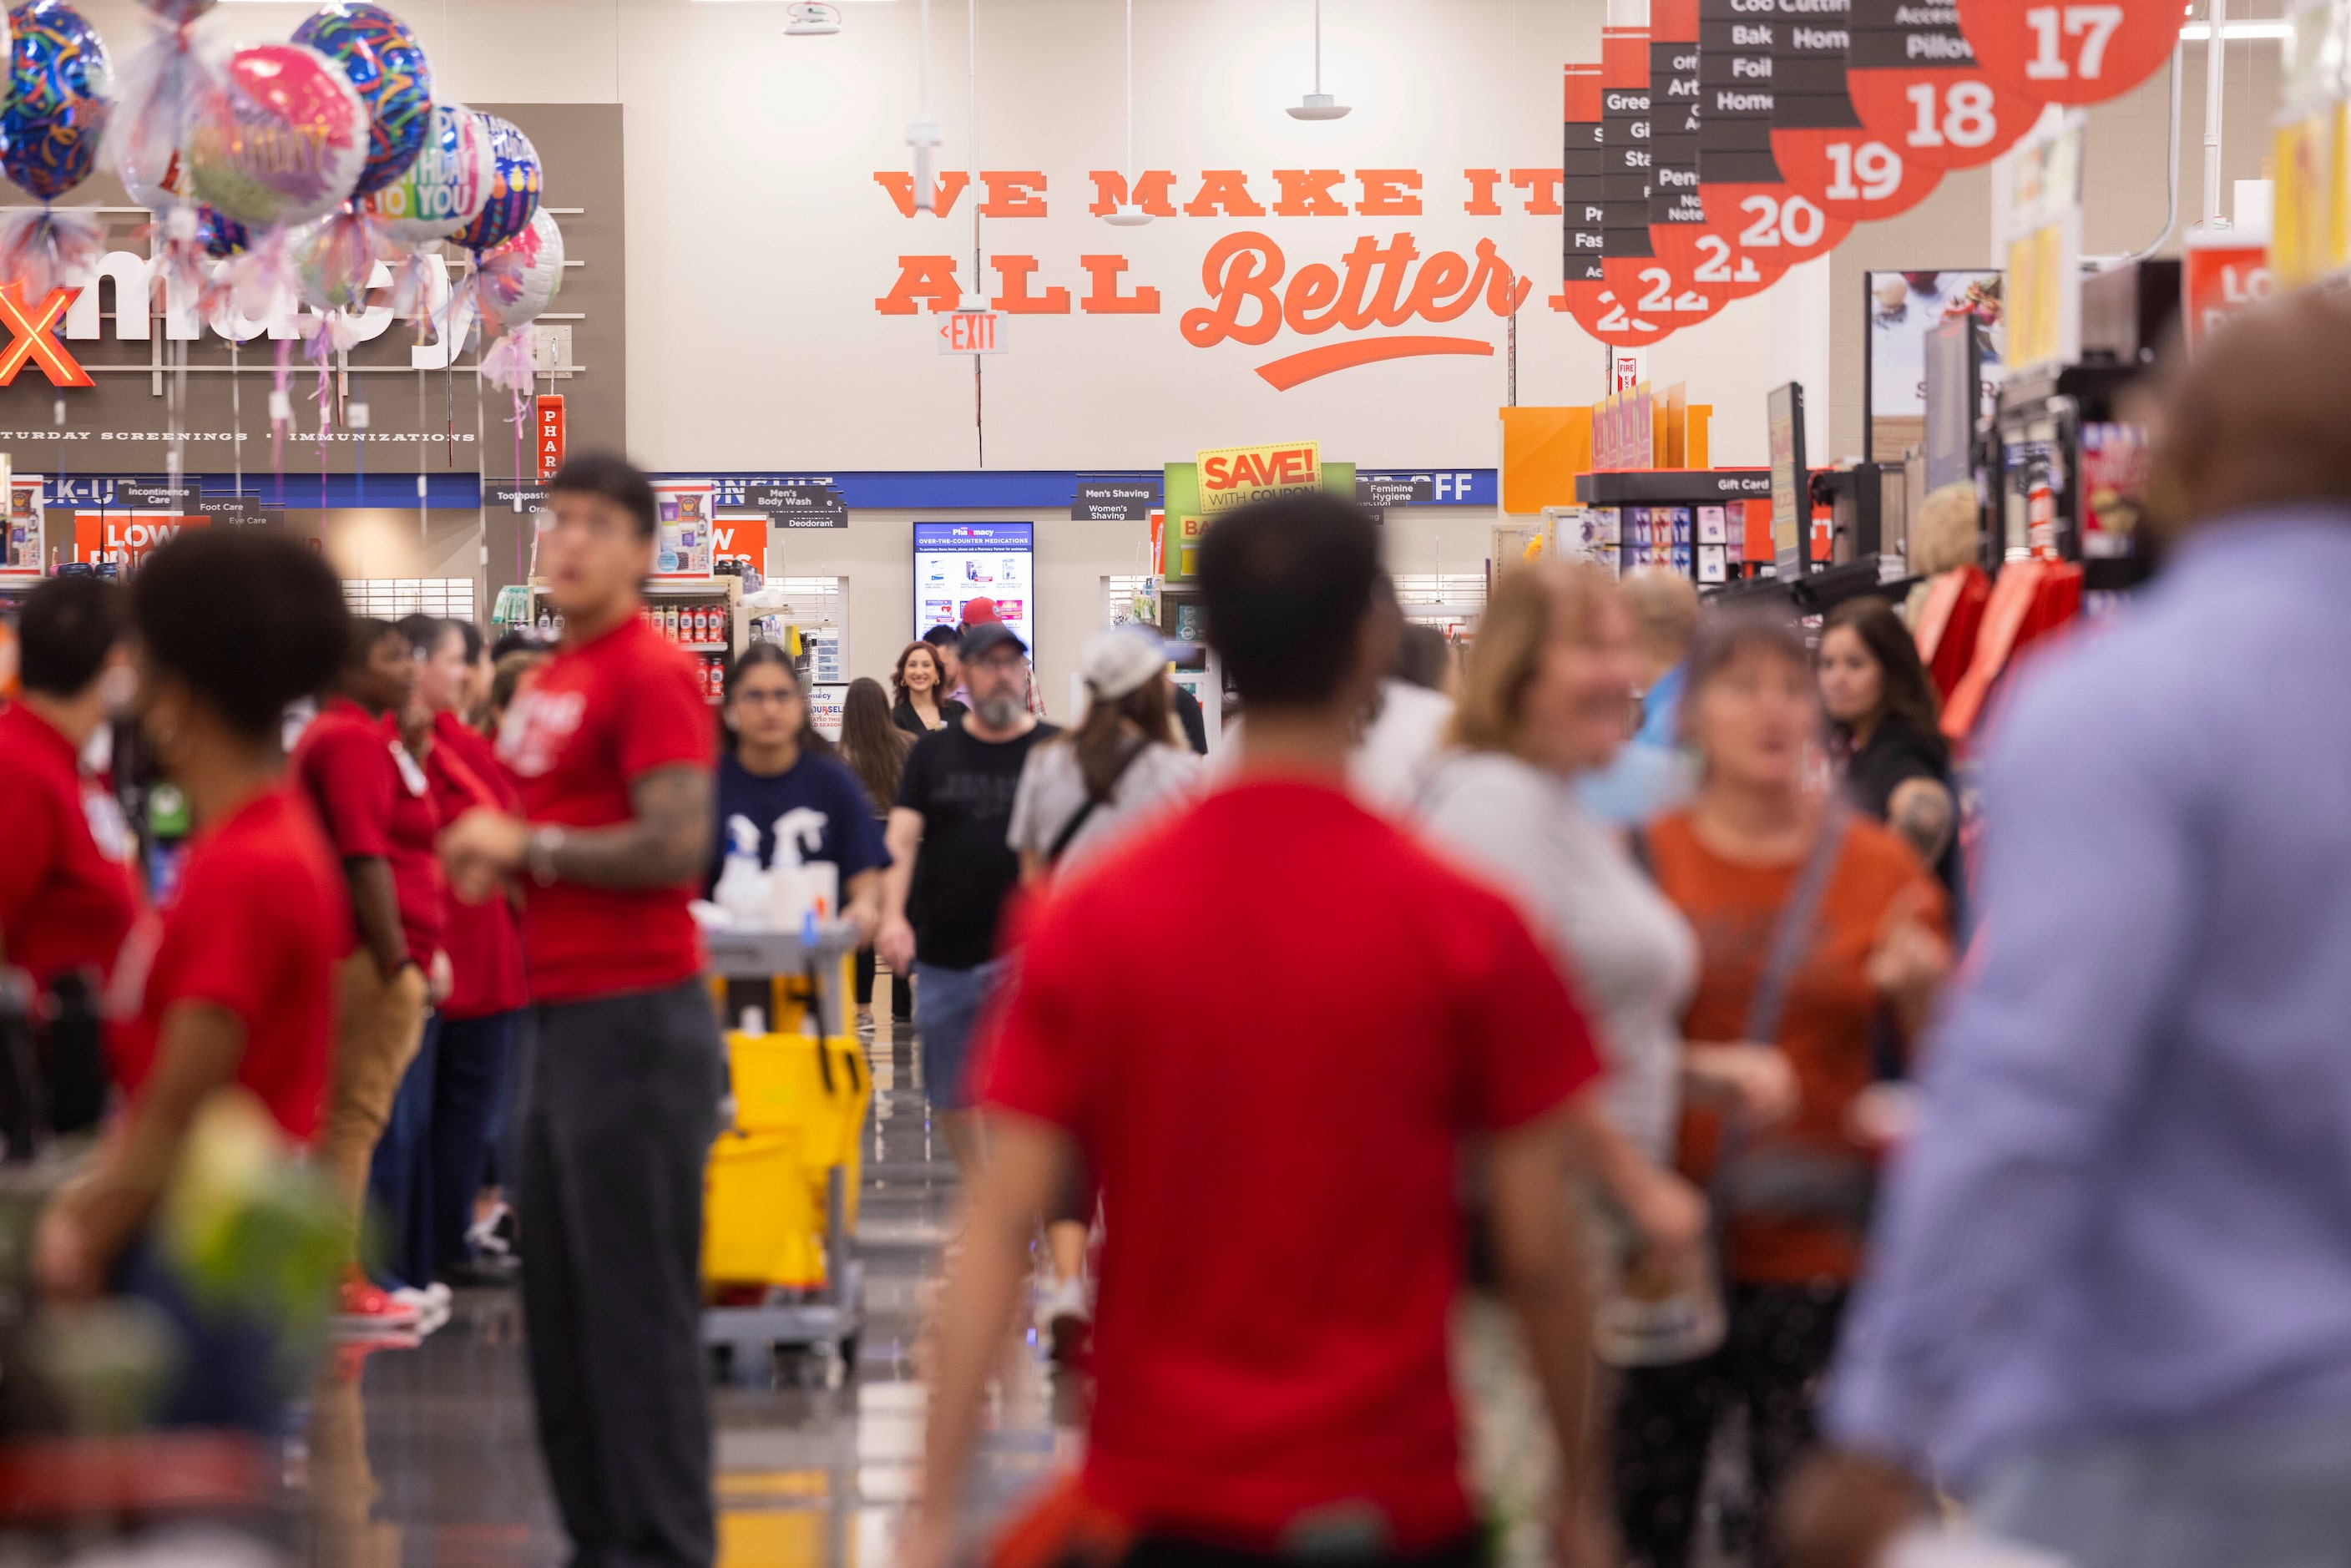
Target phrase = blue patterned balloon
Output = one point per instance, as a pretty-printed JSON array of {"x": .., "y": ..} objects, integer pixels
[
  {"x": 61, "y": 89},
  {"x": 514, "y": 193},
  {"x": 387, "y": 65},
  {"x": 222, "y": 237}
]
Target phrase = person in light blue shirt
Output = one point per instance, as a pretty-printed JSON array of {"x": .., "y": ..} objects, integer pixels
[
  {"x": 2110, "y": 1305},
  {"x": 1649, "y": 773}
]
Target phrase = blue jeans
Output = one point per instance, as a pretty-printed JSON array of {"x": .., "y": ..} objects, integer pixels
[
  {"x": 2235, "y": 1494},
  {"x": 473, "y": 1090},
  {"x": 400, "y": 1178},
  {"x": 948, "y": 1005}
]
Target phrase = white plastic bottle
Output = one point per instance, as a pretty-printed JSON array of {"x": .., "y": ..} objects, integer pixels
[
  {"x": 798, "y": 890},
  {"x": 742, "y": 891}
]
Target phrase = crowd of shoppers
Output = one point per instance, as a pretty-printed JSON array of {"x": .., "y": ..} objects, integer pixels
[{"x": 1801, "y": 1235}]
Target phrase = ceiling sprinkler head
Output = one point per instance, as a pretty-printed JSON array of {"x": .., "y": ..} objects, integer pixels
[{"x": 811, "y": 19}]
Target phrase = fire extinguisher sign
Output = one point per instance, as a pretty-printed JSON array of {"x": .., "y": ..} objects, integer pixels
[{"x": 550, "y": 433}]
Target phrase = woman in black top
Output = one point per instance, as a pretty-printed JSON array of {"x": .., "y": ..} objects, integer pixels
[
  {"x": 922, "y": 704},
  {"x": 1888, "y": 731}
]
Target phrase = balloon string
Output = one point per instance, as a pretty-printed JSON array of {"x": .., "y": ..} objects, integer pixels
[{"x": 281, "y": 398}]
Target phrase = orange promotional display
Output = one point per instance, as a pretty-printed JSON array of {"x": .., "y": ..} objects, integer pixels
[{"x": 2219, "y": 280}]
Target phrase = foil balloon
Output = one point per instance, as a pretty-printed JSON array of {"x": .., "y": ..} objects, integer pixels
[
  {"x": 221, "y": 237},
  {"x": 447, "y": 185},
  {"x": 280, "y": 138},
  {"x": 334, "y": 260},
  {"x": 515, "y": 281},
  {"x": 161, "y": 85},
  {"x": 513, "y": 189},
  {"x": 60, "y": 92},
  {"x": 388, "y": 68}
]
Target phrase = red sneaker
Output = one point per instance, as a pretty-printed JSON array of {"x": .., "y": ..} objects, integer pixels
[{"x": 360, "y": 1306}]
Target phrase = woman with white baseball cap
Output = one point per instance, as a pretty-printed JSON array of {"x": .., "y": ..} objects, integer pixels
[{"x": 1125, "y": 765}]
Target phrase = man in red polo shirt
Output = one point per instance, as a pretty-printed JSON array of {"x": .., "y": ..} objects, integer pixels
[
  {"x": 1277, "y": 1143},
  {"x": 381, "y": 822},
  {"x": 66, "y": 889},
  {"x": 613, "y": 746}
]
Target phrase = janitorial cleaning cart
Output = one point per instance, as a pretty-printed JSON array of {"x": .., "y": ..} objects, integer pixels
[{"x": 779, "y": 1265}]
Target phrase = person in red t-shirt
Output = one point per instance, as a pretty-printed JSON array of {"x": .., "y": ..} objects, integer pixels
[
  {"x": 1277, "y": 1146},
  {"x": 67, "y": 897},
  {"x": 236, "y": 984},
  {"x": 481, "y": 1021},
  {"x": 612, "y": 746},
  {"x": 379, "y": 815}
]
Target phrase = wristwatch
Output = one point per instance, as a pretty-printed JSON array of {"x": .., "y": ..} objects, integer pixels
[{"x": 539, "y": 853}]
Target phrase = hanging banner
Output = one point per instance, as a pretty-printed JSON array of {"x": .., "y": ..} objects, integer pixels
[
  {"x": 125, "y": 539},
  {"x": 2037, "y": 228},
  {"x": 683, "y": 512},
  {"x": 1635, "y": 277},
  {"x": 1747, "y": 201},
  {"x": 1825, "y": 151},
  {"x": 1914, "y": 82},
  {"x": 548, "y": 422},
  {"x": 1233, "y": 476},
  {"x": 741, "y": 537},
  {"x": 2069, "y": 53},
  {"x": 2220, "y": 278}
]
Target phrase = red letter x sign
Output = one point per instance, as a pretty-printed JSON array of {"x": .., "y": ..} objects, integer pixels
[{"x": 37, "y": 339}]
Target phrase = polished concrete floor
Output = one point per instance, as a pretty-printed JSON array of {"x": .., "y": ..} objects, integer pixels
[{"x": 816, "y": 1470}]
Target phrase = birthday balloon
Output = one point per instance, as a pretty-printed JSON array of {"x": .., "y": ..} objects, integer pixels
[
  {"x": 334, "y": 259},
  {"x": 60, "y": 92},
  {"x": 387, "y": 65},
  {"x": 513, "y": 189},
  {"x": 519, "y": 279},
  {"x": 280, "y": 138},
  {"x": 445, "y": 188},
  {"x": 222, "y": 237}
]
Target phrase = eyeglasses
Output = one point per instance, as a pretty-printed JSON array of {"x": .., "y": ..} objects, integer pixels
[{"x": 765, "y": 698}]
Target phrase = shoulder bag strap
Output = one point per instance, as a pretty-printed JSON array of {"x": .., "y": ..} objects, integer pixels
[
  {"x": 1085, "y": 811},
  {"x": 1791, "y": 930}
]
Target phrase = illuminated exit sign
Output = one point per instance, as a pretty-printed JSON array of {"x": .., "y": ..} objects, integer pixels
[{"x": 972, "y": 333}]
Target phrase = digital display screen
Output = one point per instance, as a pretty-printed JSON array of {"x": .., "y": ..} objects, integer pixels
[{"x": 956, "y": 563}]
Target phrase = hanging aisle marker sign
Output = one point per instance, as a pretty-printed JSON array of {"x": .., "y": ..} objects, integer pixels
[
  {"x": 1677, "y": 225},
  {"x": 1643, "y": 285},
  {"x": 549, "y": 425},
  {"x": 1747, "y": 202},
  {"x": 1916, "y": 84},
  {"x": 2070, "y": 51},
  {"x": 1825, "y": 151}
]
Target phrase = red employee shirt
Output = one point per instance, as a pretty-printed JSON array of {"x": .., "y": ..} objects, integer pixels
[
  {"x": 484, "y": 940},
  {"x": 586, "y": 726},
  {"x": 1277, "y": 1148},
  {"x": 344, "y": 766},
  {"x": 67, "y": 899},
  {"x": 418, "y": 883},
  {"x": 256, "y": 927}
]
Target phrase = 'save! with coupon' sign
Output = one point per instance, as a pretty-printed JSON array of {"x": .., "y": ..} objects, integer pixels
[{"x": 1233, "y": 476}]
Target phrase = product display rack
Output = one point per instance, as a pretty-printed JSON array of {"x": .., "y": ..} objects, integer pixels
[
  {"x": 1614, "y": 495},
  {"x": 718, "y": 597}
]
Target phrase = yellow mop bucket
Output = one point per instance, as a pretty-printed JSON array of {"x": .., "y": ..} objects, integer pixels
[
  {"x": 758, "y": 1224},
  {"x": 817, "y": 1090}
]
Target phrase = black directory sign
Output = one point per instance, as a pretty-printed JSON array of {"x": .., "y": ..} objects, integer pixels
[
  {"x": 521, "y": 498},
  {"x": 1583, "y": 185},
  {"x": 239, "y": 511},
  {"x": 1394, "y": 489},
  {"x": 1626, "y": 158},
  {"x": 1673, "y": 127},
  {"x": 800, "y": 505},
  {"x": 1735, "y": 81},
  {"x": 1113, "y": 501},
  {"x": 157, "y": 496}
]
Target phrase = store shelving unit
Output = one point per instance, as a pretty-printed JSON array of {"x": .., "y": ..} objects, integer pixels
[{"x": 684, "y": 595}]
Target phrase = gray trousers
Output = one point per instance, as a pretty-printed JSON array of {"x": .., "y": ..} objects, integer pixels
[
  {"x": 2240, "y": 1495},
  {"x": 623, "y": 1102}
]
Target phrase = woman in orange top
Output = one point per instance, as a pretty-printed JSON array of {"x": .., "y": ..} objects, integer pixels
[{"x": 1856, "y": 970}]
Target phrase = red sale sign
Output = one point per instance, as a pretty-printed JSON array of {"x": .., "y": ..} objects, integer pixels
[
  {"x": 2221, "y": 280},
  {"x": 2069, "y": 51}
]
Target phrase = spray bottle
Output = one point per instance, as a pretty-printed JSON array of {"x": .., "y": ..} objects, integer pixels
[
  {"x": 742, "y": 890},
  {"x": 798, "y": 890}
]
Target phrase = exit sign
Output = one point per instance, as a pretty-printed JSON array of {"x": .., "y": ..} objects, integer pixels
[{"x": 972, "y": 333}]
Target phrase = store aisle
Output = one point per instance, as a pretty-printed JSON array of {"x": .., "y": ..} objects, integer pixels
[{"x": 814, "y": 1471}]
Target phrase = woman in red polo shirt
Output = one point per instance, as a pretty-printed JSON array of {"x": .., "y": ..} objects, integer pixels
[
  {"x": 237, "y": 986},
  {"x": 66, "y": 898}
]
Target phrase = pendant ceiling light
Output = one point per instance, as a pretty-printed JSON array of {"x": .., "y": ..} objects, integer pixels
[
  {"x": 811, "y": 19},
  {"x": 923, "y": 133},
  {"x": 1318, "y": 104},
  {"x": 1128, "y": 214}
]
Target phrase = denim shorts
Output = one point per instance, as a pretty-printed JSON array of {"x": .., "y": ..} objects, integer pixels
[{"x": 948, "y": 1005}]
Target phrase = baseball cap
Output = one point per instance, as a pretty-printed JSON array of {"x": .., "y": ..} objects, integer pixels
[
  {"x": 1119, "y": 659},
  {"x": 978, "y": 611},
  {"x": 987, "y": 636}
]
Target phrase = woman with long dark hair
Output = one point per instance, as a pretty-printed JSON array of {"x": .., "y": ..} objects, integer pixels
[
  {"x": 775, "y": 762},
  {"x": 919, "y": 682},
  {"x": 874, "y": 749},
  {"x": 1886, "y": 730}
]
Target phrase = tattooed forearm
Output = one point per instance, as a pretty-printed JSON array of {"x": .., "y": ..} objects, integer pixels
[
  {"x": 665, "y": 844},
  {"x": 1923, "y": 813}
]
